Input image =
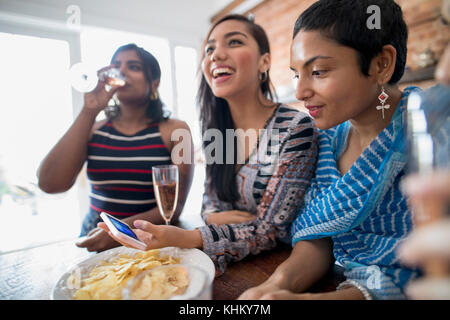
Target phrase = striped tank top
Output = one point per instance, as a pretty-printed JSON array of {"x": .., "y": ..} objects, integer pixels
[{"x": 119, "y": 168}]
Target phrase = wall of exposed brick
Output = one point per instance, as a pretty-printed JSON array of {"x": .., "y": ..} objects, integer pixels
[
  {"x": 277, "y": 17},
  {"x": 426, "y": 29}
]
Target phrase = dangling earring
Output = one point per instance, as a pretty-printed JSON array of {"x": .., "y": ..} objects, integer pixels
[
  {"x": 383, "y": 98},
  {"x": 263, "y": 76},
  {"x": 154, "y": 95}
]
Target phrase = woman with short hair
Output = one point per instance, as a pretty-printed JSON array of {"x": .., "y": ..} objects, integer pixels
[{"x": 347, "y": 77}]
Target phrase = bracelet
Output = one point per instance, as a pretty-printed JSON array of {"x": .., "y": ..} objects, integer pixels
[{"x": 353, "y": 283}]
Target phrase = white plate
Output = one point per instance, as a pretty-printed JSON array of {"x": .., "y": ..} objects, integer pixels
[{"x": 187, "y": 256}]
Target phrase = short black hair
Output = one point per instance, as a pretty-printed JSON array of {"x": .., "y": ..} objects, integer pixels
[{"x": 345, "y": 21}]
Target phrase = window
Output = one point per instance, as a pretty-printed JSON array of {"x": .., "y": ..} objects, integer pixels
[
  {"x": 39, "y": 105},
  {"x": 35, "y": 112},
  {"x": 186, "y": 64}
]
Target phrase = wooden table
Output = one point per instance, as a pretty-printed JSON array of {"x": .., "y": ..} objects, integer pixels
[
  {"x": 31, "y": 273},
  {"x": 254, "y": 270}
]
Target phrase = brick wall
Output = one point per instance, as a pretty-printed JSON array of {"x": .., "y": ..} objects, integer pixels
[{"x": 278, "y": 17}]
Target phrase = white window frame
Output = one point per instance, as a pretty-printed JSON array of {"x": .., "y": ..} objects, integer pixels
[{"x": 38, "y": 27}]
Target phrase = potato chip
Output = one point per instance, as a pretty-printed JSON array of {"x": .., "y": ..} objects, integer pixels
[
  {"x": 107, "y": 280},
  {"x": 159, "y": 284}
]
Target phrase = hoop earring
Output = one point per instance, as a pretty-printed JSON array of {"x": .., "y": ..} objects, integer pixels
[
  {"x": 263, "y": 76},
  {"x": 383, "y": 98},
  {"x": 154, "y": 95}
]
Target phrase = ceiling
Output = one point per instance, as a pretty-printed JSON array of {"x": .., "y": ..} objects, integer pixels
[{"x": 181, "y": 21}]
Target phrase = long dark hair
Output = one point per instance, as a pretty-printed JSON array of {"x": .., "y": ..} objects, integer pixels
[
  {"x": 155, "y": 109},
  {"x": 215, "y": 114}
]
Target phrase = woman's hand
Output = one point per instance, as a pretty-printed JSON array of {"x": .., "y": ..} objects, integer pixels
[
  {"x": 230, "y": 217},
  {"x": 288, "y": 295},
  {"x": 270, "y": 291},
  {"x": 427, "y": 243},
  {"x": 97, "y": 240},
  {"x": 283, "y": 294},
  {"x": 160, "y": 236},
  {"x": 263, "y": 290},
  {"x": 97, "y": 100}
]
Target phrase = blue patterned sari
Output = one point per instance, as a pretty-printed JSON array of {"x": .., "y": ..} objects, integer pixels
[{"x": 363, "y": 211}]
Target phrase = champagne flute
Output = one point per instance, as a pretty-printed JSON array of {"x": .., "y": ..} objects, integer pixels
[{"x": 165, "y": 184}]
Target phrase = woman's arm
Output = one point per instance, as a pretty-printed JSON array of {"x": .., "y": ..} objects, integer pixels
[
  {"x": 309, "y": 261},
  {"x": 59, "y": 169},
  {"x": 211, "y": 204},
  {"x": 160, "y": 236},
  {"x": 344, "y": 294},
  {"x": 229, "y": 217}
]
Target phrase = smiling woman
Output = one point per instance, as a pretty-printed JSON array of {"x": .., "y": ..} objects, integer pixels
[
  {"x": 345, "y": 72},
  {"x": 232, "y": 48}
]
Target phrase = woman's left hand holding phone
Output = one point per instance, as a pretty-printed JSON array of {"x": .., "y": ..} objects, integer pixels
[{"x": 160, "y": 236}]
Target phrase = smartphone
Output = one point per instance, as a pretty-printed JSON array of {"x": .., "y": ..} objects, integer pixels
[{"x": 122, "y": 231}]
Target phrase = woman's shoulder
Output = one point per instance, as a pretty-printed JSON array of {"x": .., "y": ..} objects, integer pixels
[
  {"x": 98, "y": 124},
  {"x": 173, "y": 124},
  {"x": 291, "y": 118},
  {"x": 168, "y": 126}
]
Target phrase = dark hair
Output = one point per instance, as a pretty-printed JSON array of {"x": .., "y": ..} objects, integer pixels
[
  {"x": 215, "y": 114},
  {"x": 345, "y": 21},
  {"x": 152, "y": 72}
]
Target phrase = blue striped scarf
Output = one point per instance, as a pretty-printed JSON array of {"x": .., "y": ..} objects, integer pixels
[{"x": 363, "y": 211}]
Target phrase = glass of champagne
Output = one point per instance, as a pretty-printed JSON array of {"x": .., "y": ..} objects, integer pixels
[{"x": 165, "y": 184}]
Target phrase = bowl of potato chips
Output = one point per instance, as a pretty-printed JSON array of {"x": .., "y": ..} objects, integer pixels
[{"x": 105, "y": 276}]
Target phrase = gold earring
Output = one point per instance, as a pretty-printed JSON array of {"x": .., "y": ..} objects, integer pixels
[{"x": 154, "y": 95}]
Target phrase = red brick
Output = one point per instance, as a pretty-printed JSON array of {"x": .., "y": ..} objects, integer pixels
[{"x": 277, "y": 17}]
